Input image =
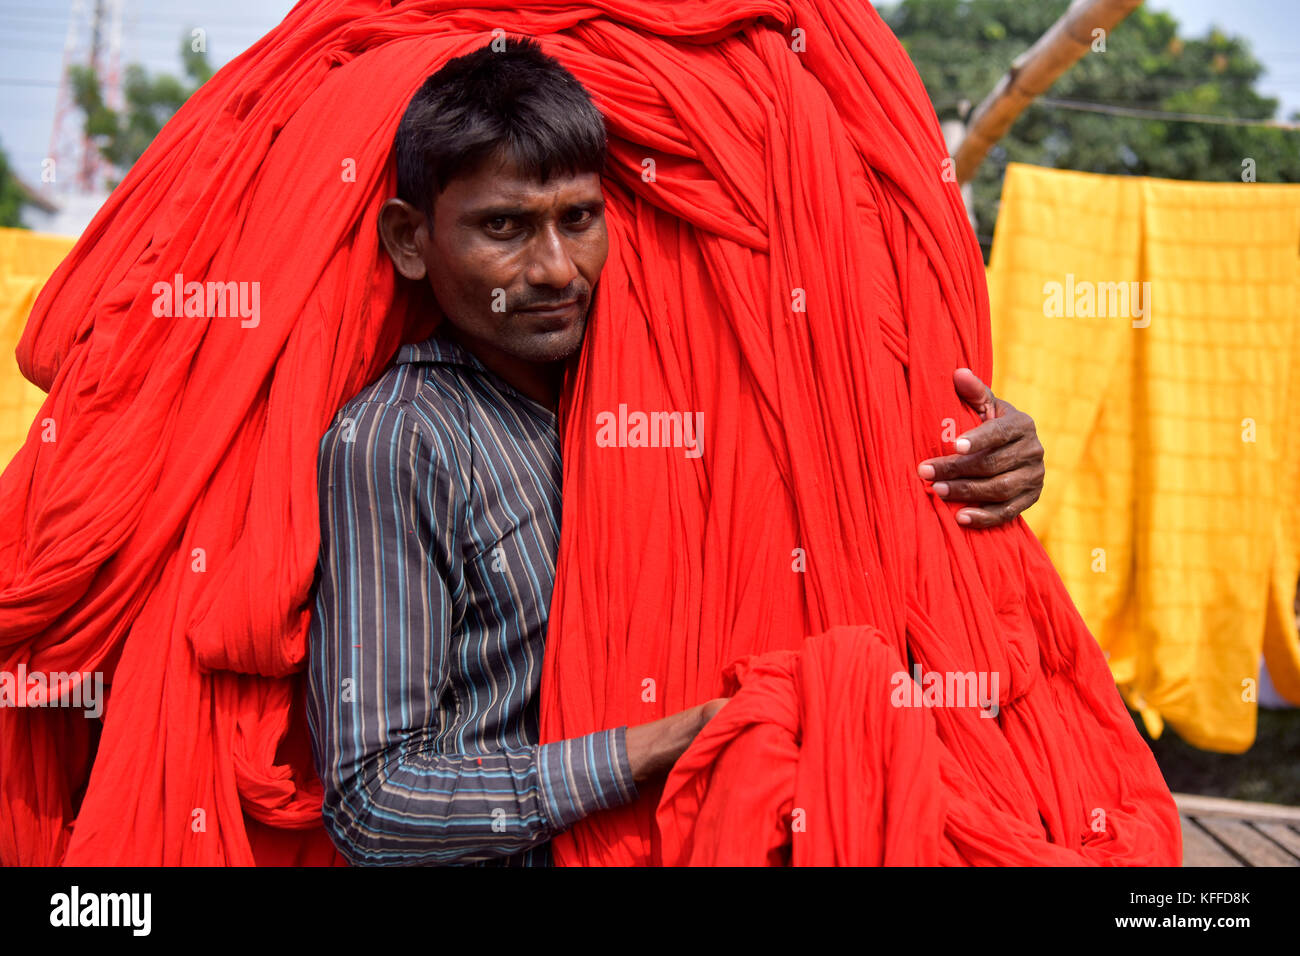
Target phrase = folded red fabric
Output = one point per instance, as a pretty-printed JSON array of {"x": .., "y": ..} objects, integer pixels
[
  {"x": 828, "y": 756},
  {"x": 801, "y": 276},
  {"x": 788, "y": 262},
  {"x": 810, "y": 763}
]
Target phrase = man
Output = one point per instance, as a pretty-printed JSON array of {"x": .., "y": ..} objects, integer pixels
[{"x": 440, "y": 491}]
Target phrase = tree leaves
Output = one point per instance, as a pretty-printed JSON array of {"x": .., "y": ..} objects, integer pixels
[{"x": 962, "y": 49}]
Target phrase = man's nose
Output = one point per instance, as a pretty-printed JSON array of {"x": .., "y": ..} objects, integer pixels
[{"x": 551, "y": 264}]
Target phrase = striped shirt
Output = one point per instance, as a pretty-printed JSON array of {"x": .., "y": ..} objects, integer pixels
[{"x": 439, "y": 516}]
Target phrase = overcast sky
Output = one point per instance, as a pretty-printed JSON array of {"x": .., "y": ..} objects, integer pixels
[{"x": 32, "y": 36}]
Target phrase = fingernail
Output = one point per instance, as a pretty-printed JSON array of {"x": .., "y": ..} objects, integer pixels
[
  {"x": 963, "y": 518},
  {"x": 941, "y": 488},
  {"x": 962, "y": 445},
  {"x": 926, "y": 471}
]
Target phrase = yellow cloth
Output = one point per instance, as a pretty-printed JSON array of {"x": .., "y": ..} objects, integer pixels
[
  {"x": 1169, "y": 501},
  {"x": 26, "y": 261}
]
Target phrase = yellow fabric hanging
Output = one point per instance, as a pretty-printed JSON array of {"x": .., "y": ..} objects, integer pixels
[
  {"x": 1151, "y": 329},
  {"x": 26, "y": 261}
]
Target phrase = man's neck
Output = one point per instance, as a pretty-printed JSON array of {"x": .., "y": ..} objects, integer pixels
[{"x": 540, "y": 381}]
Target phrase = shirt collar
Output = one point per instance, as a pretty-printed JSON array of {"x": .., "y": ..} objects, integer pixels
[{"x": 438, "y": 349}]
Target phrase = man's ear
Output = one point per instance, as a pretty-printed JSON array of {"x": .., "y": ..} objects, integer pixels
[{"x": 404, "y": 231}]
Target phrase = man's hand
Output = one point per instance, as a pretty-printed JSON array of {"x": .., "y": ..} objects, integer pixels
[
  {"x": 653, "y": 748},
  {"x": 999, "y": 465}
]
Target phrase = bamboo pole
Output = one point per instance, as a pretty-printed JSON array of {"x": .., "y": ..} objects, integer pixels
[{"x": 1033, "y": 73}]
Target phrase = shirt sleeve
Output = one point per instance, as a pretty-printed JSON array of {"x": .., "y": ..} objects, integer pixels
[{"x": 387, "y": 604}]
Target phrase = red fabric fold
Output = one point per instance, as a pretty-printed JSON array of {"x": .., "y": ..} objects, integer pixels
[
  {"x": 168, "y": 537},
  {"x": 813, "y": 736}
]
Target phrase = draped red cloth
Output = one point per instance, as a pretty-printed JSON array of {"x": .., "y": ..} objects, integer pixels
[{"x": 788, "y": 260}]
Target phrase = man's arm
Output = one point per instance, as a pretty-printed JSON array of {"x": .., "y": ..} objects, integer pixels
[{"x": 381, "y": 640}]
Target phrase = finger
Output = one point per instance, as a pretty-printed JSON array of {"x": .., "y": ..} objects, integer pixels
[
  {"x": 974, "y": 392},
  {"x": 983, "y": 464},
  {"x": 994, "y": 515},
  {"x": 999, "y": 488},
  {"x": 712, "y": 707},
  {"x": 1002, "y": 430}
]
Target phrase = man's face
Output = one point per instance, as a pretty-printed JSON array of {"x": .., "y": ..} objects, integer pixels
[{"x": 513, "y": 262}]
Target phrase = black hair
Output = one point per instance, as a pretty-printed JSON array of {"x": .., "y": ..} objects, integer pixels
[{"x": 515, "y": 102}]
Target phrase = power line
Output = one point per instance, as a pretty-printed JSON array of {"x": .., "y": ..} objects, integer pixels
[{"x": 1162, "y": 115}]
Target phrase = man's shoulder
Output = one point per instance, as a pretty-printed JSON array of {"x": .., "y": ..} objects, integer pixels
[{"x": 412, "y": 401}]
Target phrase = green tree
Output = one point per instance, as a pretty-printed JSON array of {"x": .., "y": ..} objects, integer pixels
[
  {"x": 961, "y": 49},
  {"x": 12, "y": 196},
  {"x": 151, "y": 100}
]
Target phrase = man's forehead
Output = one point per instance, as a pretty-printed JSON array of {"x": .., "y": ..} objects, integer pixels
[{"x": 506, "y": 182}]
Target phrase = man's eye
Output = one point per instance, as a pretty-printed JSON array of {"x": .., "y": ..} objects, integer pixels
[
  {"x": 500, "y": 224},
  {"x": 580, "y": 217}
]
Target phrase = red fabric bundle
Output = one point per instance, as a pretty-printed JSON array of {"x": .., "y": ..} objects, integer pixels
[
  {"x": 813, "y": 306},
  {"x": 787, "y": 261},
  {"x": 778, "y": 777}
]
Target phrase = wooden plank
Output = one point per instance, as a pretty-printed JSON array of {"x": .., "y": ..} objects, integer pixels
[
  {"x": 1286, "y": 834},
  {"x": 1202, "y": 807},
  {"x": 1200, "y": 849},
  {"x": 1247, "y": 841}
]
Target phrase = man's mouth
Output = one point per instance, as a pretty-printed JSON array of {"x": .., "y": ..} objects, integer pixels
[{"x": 561, "y": 311}]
